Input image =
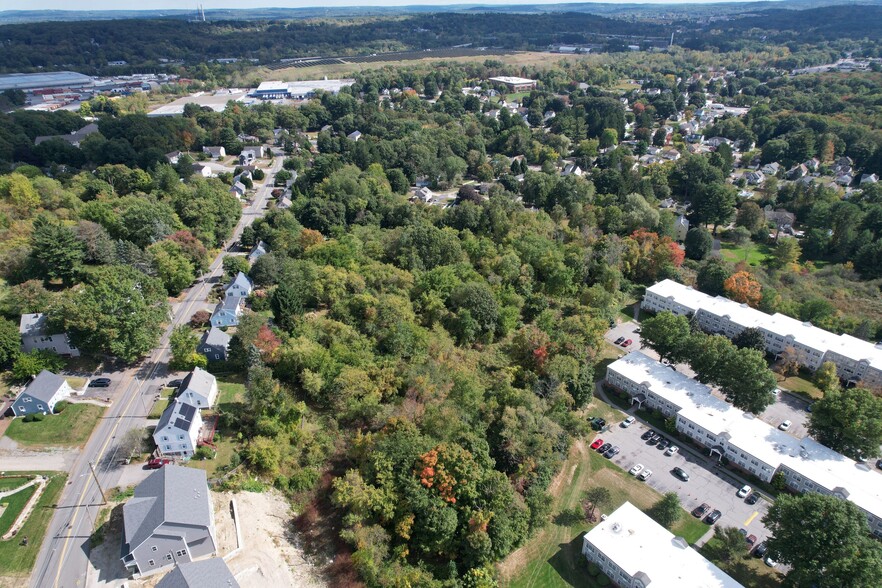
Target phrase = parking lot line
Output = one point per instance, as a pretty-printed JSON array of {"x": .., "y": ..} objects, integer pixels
[{"x": 753, "y": 516}]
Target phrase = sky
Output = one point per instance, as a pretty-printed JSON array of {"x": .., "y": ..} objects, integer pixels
[{"x": 244, "y": 4}]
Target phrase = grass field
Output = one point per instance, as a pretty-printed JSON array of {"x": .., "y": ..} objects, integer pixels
[
  {"x": 9, "y": 483},
  {"x": 231, "y": 396},
  {"x": 70, "y": 428},
  {"x": 17, "y": 560},
  {"x": 753, "y": 254},
  {"x": 751, "y": 572},
  {"x": 75, "y": 382},
  {"x": 802, "y": 386},
  {"x": 552, "y": 558},
  {"x": 14, "y": 503},
  {"x": 160, "y": 405}
]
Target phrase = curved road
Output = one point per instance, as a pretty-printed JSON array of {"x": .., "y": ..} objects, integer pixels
[{"x": 63, "y": 558}]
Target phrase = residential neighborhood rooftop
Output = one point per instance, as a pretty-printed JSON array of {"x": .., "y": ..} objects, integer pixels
[
  {"x": 45, "y": 385},
  {"x": 207, "y": 573}
]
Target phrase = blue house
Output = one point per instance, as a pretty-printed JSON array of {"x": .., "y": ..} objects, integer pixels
[
  {"x": 227, "y": 313},
  {"x": 41, "y": 395},
  {"x": 240, "y": 287}
]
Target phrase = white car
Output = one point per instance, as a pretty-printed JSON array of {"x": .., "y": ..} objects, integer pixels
[
  {"x": 672, "y": 450},
  {"x": 770, "y": 562},
  {"x": 745, "y": 490},
  {"x": 628, "y": 422},
  {"x": 785, "y": 426},
  {"x": 636, "y": 469},
  {"x": 644, "y": 474}
]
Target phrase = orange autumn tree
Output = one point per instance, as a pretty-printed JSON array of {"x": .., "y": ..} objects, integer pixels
[
  {"x": 450, "y": 470},
  {"x": 653, "y": 254},
  {"x": 743, "y": 287}
]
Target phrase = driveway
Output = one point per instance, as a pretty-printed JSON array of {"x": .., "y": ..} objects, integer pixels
[
  {"x": 707, "y": 482},
  {"x": 625, "y": 330}
]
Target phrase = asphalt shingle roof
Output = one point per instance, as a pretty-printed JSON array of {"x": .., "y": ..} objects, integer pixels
[
  {"x": 208, "y": 573},
  {"x": 45, "y": 386}
]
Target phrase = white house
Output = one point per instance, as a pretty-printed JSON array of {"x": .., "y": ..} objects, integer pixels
[
  {"x": 636, "y": 552},
  {"x": 34, "y": 332},
  {"x": 41, "y": 395},
  {"x": 201, "y": 170},
  {"x": 681, "y": 225},
  {"x": 177, "y": 433},
  {"x": 257, "y": 252},
  {"x": 215, "y": 152},
  {"x": 240, "y": 287},
  {"x": 199, "y": 388},
  {"x": 571, "y": 169}
]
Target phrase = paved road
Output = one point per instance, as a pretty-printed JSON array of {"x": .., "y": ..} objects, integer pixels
[{"x": 63, "y": 559}]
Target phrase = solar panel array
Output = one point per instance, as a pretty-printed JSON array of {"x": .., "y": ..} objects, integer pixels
[
  {"x": 185, "y": 416},
  {"x": 391, "y": 56}
]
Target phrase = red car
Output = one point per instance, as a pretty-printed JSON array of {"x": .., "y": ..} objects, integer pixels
[
  {"x": 158, "y": 462},
  {"x": 627, "y": 342},
  {"x": 597, "y": 443}
]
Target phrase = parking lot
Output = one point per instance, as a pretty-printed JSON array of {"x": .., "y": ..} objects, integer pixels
[
  {"x": 625, "y": 330},
  {"x": 708, "y": 482}
]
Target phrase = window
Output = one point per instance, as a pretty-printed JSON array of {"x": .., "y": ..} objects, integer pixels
[
  {"x": 168, "y": 557},
  {"x": 181, "y": 552},
  {"x": 154, "y": 548},
  {"x": 151, "y": 563},
  {"x": 39, "y": 407},
  {"x": 28, "y": 399},
  {"x": 216, "y": 356},
  {"x": 165, "y": 438}
]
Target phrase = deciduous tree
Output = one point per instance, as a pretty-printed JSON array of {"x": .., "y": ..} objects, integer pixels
[
  {"x": 667, "y": 334},
  {"x": 743, "y": 287},
  {"x": 667, "y": 510},
  {"x": 849, "y": 421}
]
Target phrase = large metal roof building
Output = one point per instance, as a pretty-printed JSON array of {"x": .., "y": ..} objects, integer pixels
[{"x": 53, "y": 79}]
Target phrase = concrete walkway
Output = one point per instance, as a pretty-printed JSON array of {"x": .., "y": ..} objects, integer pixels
[
  {"x": 29, "y": 507},
  {"x": 19, "y": 489}
]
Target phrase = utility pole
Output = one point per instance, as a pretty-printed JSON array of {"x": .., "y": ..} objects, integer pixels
[{"x": 97, "y": 483}]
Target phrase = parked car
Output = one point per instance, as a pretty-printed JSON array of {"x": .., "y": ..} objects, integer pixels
[
  {"x": 879, "y": 463},
  {"x": 628, "y": 422},
  {"x": 603, "y": 448},
  {"x": 751, "y": 539},
  {"x": 700, "y": 511},
  {"x": 627, "y": 343},
  {"x": 672, "y": 450},
  {"x": 663, "y": 443},
  {"x": 770, "y": 562},
  {"x": 744, "y": 491},
  {"x": 636, "y": 469},
  {"x": 619, "y": 341},
  {"x": 752, "y": 498},
  {"x": 637, "y": 330},
  {"x": 99, "y": 383},
  {"x": 174, "y": 384},
  {"x": 760, "y": 550},
  {"x": 158, "y": 462},
  {"x": 611, "y": 452},
  {"x": 680, "y": 473},
  {"x": 785, "y": 426},
  {"x": 713, "y": 517},
  {"x": 644, "y": 475},
  {"x": 654, "y": 439},
  {"x": 649, "y": 433},
  {"x": 597, "y": 443},
  {"x": 598, "y": 423}
]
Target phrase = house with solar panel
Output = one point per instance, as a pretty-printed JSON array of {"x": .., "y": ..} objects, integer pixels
[{"x": 177, "y": 433}]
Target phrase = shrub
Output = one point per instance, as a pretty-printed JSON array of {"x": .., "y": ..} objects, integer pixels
[
  {"x": 203, "y": 453},
  {"x": 593, "y": 570},
  {"x": 60, "y": 406},
  {"x": 39, "y": 416},
  {"x": 253, "y": 486},
  {"x": 603, "y": 580},
  {"x": 29, "y": 418}
]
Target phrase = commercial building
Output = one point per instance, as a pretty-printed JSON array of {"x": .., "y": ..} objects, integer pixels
[
  {"x": 515, "y": 84},
  {"x": 636, "y": 552},
  {"x": 46, "y": 80},
  {"x": 744, "y": 440},
  {"x": 855, "y": 360},
  {"x": 276, "y": 90}
]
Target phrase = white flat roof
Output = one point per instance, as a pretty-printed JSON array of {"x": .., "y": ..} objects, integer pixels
[
  {"x": 512, "y": 80},
  {"x": 637, "y": 544},
  {"x": 685, "y": 295},
  {"x": 305, "y": 86},
  {"x": 807, "y": 457},
  {"x": 273, "y": 86}
]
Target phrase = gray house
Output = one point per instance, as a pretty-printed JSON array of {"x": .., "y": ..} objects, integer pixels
[
  {"x": 240, "y": 287},
  {"x": 168, "y": 521},
  {"x": 199, "y": 388},
  {"x": 227, "y": 313},
  {"x": 214, "y": 344},
  {"x": 215, "y": 152},
  {"x": 35, "y": 334},
  {"x": 207, "y": 573},
  {"x": 41, "y": 395},
  {"x": 259, "y": 251}
]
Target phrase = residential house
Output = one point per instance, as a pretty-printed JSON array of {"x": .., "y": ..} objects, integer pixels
[
  {"x": 168, "y": 521},
  {"x": 173, "y": 157},
  {"x": 667, "y": 203},
  {"x": 844, "y": 179},
  {"x": 755, "y": 178},
  {"x": 75, "y": 138},
  {"x": 717, "y": 141},
  {"x": 206, "y": 573},
  {"x": 227, "y": 312},
  {"x": 177, "y": 433},
  {"x": 634, "y": 551},
  {"x": 424, "y": 195},
  {"x": 239, "y": 189},
  {"x": 258, "y": 251},
  {"x": 869, "y": 179},
  {"x": 240, "y": 287},
  {"x": 251, "y": 154},
  {"x": 41, "y": 394},
  {"x": 354, "y": 136},
  {"x": 571, "y": 169},
  {"x": 34, "y": 331},
  {"x": 214, "y": 344},
  {"x": 797, "y": 172},
  {"x": 284, "y": 203},
  {"x": 771, "y": 169},
  {"x": 199, "y": 388},
  {"x": 780, "y": 217},
  {"x": 201, "y": 170},
  {"x": 812, "y": 164},
  {"x": 681, "y": 226},
  {"x": 215, "y": 152}
]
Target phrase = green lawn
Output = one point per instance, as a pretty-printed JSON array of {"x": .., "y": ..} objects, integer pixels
[
  {"x": 70, "y": 428},
  {"x": 754, "y": 254},
  {"x": 231, "y": 398},
  {"x": 14, "y": 504},
  {"x": 231, "y": 390},
  {"x": 75, "y": 382},
  {"x": 751, "y": 572},
  {"x": 802, "y": 386},
  {"x": 16, "y": 559},
  {"x": 552, "y": 557},
  {"x": 8, "y": 483},
  {"x": 160, "y": 405}
]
